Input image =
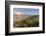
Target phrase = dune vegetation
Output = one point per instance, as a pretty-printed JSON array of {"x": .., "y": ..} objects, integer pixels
[{"x": 31, "y": 21}]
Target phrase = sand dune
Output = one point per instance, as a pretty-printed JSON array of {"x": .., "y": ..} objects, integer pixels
[{"x": 21, "y": 17}]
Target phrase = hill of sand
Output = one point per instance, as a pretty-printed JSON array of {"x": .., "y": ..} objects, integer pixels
[{"x": 20, "y": 17}]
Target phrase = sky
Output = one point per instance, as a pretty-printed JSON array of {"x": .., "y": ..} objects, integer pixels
[{"x": 27, "y": 11}]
